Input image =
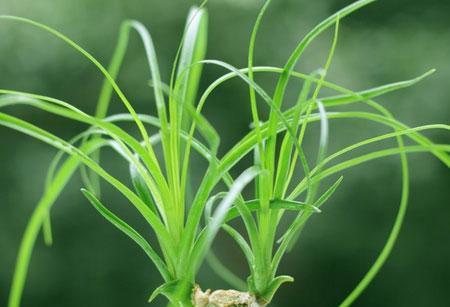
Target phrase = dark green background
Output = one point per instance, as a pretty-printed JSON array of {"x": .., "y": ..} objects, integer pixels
[{"x": 92, "y": 264}]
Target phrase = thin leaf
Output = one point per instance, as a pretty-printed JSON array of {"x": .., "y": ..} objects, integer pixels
[
  {"x": 369, "y": 157},
  {"x": 157, "y": 184},
  {"x": 219, "y": 216},
  {"x": 293, "y": 59},
  {"x": 242, "y": 243},
  {"x": 193, "y": 51},
  {"x": 167, "y": 289},
  {"x": 393, "y": 235},
  {"x": 227, "y": 275},
  {"x": 277, "y": 204},
  {"x": 267, "y": 296},
  {"x": 106, "y": 91},
  {"x": 297, "y": 224},
  {"x": 286, "y": 165},
  {"x": 35, "y": 132},
  {"x": 93, "y": 60},
  {"x": 40, "y": 213},
  {"x": 130, "y": 232}
]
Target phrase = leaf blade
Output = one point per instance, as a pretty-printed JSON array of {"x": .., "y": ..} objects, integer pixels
[{"x": 130, "y": 232}]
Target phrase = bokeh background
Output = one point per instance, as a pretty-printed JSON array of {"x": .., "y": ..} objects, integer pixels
[{"x": 92, "y": 264}]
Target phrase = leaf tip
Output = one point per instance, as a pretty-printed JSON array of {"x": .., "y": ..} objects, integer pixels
[
  {"x": 316, "y": 210},
  {"x": 426, "y": 74}
]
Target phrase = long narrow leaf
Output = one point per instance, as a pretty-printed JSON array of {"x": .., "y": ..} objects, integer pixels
[
  {"x": 130, "y": 232},
  {"x": 92, "y": 59},
  {"x": 220, "y": 214},
  {"x": 297, "y": 224},
  {"x": 40, "y": 213}
]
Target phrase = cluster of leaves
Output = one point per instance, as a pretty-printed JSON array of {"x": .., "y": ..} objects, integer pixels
[{"x": 160, "y": 184}]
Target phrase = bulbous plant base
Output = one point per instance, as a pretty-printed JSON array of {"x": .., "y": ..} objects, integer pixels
[{"x": 223, "y": 298}]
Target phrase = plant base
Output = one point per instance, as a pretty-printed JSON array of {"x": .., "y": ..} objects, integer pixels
[{"x": 223, "y": 298}]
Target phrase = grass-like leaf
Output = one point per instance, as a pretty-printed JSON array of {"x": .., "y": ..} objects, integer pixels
[
  {"x": 130, "y": 232},
  {"x": 163, "y": 192}
]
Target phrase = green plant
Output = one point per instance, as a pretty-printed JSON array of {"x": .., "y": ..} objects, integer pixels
[{"x": 160, "y": 184}]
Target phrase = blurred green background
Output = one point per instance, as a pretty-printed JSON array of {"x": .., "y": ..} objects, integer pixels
[{"x": 92, "y": 264}]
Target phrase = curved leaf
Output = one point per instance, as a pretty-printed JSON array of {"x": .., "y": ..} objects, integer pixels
[
  {"x": 273, "y": 287},
  {"x": 130, "y": 232}
]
